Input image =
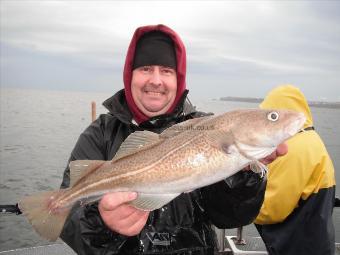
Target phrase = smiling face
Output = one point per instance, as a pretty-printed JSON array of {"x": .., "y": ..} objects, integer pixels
[{"x": 154, "y": 89}]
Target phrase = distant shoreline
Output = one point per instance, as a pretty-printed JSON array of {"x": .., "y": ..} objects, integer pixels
[{"x": 334, "y": 105}]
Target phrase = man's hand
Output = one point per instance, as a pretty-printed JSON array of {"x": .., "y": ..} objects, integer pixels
[
  {"x": 121, "y": 217},
  {"x": 281, "y": 150}
]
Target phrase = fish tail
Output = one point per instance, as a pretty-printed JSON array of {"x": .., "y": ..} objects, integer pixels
[{"x": 45, "y": 217}]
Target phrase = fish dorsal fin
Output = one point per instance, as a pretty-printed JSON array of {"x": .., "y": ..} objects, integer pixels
[
  {"x": 150, "y": 202},
  {"x": 80, "y": 168},
  {"x": 188, "y": 125},
  {"x": 137, "y": 141},
  {"x": 221, "y": 139}
]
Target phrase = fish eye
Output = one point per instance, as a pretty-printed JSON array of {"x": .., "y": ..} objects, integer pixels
[{"x": 273, "y": 116}]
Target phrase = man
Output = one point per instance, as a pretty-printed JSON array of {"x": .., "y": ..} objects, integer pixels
[
  {"x": 154, "y": 98},
  {"x": 296, "y": 216}
]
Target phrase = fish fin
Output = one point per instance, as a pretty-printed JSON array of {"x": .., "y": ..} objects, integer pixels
[
  {"x": 150, "y": 202},
  {"x": 188, "y": 191},
  {"x": 222, "y": 140},
  {"x": 80, "y": 168},
  {"x": 188, "y": 125},
  {"x": 91, "y": 198},
  {"x": 46, "y": 221},
  {"x": 137, "y": 141},
  {"x": 259, "y": 168}
]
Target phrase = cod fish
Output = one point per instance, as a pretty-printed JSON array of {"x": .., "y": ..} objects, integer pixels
[{"x": 159, "y": 167}]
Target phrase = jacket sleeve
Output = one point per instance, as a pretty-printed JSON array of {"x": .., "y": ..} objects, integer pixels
[
  {"x": 84, "y": 231},
  {"x": 90, "y": 145},
  {"x": 235, "y": 201}
]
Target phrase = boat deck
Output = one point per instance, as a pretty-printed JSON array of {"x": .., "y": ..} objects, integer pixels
[
  {"x": 53, "y": 249},
  {"x": 254, "y": 245}
]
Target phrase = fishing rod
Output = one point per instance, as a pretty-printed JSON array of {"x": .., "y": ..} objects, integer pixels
[
  {"x": 14, "y": 209},
  {"x": 10, "y": 209}
]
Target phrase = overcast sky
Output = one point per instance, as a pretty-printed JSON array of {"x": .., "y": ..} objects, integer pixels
[{"x": 234, "y": 48}]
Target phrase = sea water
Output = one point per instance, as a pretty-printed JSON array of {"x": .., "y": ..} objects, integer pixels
[{"x": 38, "y": 129}]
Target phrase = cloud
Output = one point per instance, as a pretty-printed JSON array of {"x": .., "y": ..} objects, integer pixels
[{"x": 267, "y": 41}]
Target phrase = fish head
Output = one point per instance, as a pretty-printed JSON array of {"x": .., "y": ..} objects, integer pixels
[{"x": 258, "y": 132}]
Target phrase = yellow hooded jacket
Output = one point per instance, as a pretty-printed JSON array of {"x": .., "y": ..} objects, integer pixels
[{"x": 305, "y": 175}]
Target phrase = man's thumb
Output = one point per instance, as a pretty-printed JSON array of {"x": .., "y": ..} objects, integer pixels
[{"x": 111, "y": 201}]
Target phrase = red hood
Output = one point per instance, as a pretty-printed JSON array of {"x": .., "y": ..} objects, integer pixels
[{"x": 181, "y": 68}]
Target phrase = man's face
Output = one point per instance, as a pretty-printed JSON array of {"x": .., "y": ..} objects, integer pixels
[{"x": 154, "y": 89}]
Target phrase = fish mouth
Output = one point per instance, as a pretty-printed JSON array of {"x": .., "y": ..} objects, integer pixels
[
  {"x": 296, "y": 125},
  {"x": 254, "y": 152}
]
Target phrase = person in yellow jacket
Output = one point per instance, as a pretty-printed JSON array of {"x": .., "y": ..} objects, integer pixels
[{"x": 296, "y": 215}]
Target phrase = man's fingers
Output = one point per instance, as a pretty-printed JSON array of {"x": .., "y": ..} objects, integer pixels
[
  {"x": 120, "y": 216},
  {"x": 133, "y": 218},
  {"x": 111, "y": 201},
  {"x": 121, "y": 212},
  {"x": 125, "y": 220},
  {"x": 282, "y": 149},
  {"x": 138, "y": 225}
]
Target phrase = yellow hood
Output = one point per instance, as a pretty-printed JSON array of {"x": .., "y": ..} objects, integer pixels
[
  {"x": 303, "y": 171},
  {"x": 288, "y": 97}
]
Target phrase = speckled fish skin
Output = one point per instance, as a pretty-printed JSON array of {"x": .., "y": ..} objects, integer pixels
[
  {"x": 191, "y": 159},
  {"x": 185, "y": 157}
]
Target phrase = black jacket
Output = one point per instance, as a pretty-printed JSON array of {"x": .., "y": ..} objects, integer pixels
[{"x": 184, "y": 226}]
